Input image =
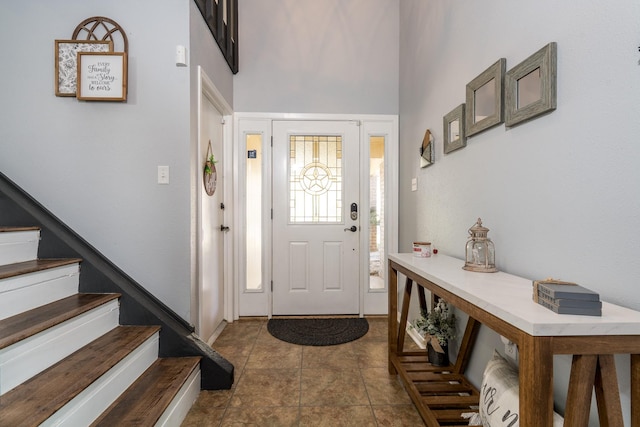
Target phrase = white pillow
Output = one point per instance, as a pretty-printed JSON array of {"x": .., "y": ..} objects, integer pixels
[{"x": 499, "y": 400}]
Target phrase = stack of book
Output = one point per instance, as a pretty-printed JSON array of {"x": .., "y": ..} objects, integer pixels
[{"x": 566, "y": 298}]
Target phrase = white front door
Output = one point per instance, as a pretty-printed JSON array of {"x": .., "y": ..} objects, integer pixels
[
  {"x": 316, "y": 217},
  {"x": 211, "y": 238}
]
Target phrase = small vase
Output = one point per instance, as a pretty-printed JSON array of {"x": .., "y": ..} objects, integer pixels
[{"x": 438, "y": 359}]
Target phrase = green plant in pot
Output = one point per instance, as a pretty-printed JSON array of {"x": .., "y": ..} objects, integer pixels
[
  {"x": 438, "y": 327},
  {"x": 208, "y": 166}
]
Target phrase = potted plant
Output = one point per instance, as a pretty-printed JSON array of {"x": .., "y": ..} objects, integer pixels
[
  {"x": 209, "y": 174},
  {"x": 438, "y": 327}
]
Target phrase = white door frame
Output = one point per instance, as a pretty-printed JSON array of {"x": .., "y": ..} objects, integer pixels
[
  {"x": 207, "y": 89},
  {"x": 371, "y": 302}
]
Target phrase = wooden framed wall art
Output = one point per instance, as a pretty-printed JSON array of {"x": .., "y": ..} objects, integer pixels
[
  {"x": 485, "y": 93},
  {"x": 426, "y": 150},
  {"x": 102, "y": 76},
  {"x": 66, "y": 66},
  {"x": 454, "y": 132},
  {"x": 530, "y": 86}
]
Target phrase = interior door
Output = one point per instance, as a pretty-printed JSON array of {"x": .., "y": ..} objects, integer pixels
[
  {"x": 316, "y": 217},
  {"x": 211, "y": 237}
]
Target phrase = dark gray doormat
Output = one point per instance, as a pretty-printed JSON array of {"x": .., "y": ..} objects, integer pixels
[{"x": 318, "y": 332}]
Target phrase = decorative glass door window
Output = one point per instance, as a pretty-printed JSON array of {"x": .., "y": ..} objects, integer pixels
[{"x": 315, "y": 179}]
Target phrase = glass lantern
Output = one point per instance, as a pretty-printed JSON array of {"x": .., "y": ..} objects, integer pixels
[{"x": 480, "y": 252}]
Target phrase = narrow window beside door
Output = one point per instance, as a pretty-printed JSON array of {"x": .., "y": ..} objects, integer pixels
[
  {"x": 376, "y": 213},
  {"x": 254, "y": 212}
]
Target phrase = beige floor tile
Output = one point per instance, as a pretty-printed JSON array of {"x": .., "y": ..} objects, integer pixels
[
  {"x": 267, "y": 387},
  {"x": 372, "y": 354},
  {"x": 276, "y": 355},
  {"x": 261, "y": 417},
  {"x": 203, "y": 417},
  {"x": 332, "y": 387},
  {"x": 213, "y": 399},
  {"x": 377, "y": 330},
  {"x": 281, "y": 384},
  {"x": 240, "y": 332},
  {"x": 331, "y": 416},
  {"x": 332, "y": 357},
  {"x": 384, "y": 389},
  {"x": 397, "y": 416}
]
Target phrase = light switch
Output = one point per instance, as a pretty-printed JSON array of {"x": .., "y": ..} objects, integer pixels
[
  {"x": 163, "y": 174},
  {"x": 414, "y": 184}
]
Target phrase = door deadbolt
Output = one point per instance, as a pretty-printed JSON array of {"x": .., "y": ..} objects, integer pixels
[{"x": 354, "y": 211}]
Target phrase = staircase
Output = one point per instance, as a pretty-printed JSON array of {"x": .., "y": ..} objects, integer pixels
[{"x": 65, "y": 360}]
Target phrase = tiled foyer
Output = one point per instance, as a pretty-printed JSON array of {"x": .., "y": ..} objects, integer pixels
[{"x": 281, "y": 384}]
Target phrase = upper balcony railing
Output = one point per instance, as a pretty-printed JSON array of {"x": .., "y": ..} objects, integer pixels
[{"x": 221, "y": 17}]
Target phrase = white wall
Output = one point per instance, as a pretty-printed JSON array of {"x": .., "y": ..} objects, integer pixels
[
  {"x": 560, "y": 193},
  {"x": 94, "y": 164},
  {"x": 309, "y": 56}
]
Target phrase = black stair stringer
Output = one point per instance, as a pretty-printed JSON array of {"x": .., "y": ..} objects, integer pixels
[{"x": 99, "y": 275}]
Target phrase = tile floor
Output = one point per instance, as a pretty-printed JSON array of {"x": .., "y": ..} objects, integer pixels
[{"x": 282, "y": 384}]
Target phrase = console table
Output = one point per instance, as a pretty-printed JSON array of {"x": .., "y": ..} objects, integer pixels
[{"x": 503, "y": 302}]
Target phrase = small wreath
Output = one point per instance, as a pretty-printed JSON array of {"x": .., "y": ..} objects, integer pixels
[{"x": 210, "y": 175}]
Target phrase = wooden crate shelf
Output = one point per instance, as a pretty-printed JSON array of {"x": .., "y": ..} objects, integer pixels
[{"x": 443, "y": 395}]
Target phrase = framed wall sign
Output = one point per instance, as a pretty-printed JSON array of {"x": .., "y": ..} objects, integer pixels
[
  {"x": 66, "y": 66},
  {"x": 102, "y": 76}
]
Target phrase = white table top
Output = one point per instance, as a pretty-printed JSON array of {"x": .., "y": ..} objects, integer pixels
[{"x": 509, "y": 298}]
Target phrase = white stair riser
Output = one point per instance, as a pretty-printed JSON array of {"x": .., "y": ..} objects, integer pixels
[
  {"x": 28, "y": 291},
  {"x": 24, "y": 359},
  {"x": 95, "y": 399},
  {"x": 18, "y": 246},
  {"x": 179, "y": 407}
]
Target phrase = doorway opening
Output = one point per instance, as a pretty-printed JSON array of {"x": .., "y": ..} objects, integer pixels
[{"x": 211, "y": 246}]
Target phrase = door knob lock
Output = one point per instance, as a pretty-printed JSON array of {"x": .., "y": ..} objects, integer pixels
[{"x": 353, "y": 229}]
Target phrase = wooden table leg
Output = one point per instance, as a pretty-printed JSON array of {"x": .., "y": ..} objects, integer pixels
[
  {"x": 583, "y": 373},
  {"x": 536, "y": 381},
  {"x": 608, "y": 392},
  {"x": 635, "y": 390},
  {"x": 392, "y": 318},
  {"x": 422, "y": 299},
  {"x": 402, "y": 329}
]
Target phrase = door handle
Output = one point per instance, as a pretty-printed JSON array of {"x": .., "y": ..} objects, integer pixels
[
  {"x": 353, "y": 229},
  {"x": 224, "y": 228}
]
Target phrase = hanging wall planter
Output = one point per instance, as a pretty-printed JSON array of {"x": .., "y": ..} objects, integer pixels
[{"x": 210, "y": 175}]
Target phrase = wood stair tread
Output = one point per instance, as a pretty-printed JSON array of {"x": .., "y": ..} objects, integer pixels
[
  {"x": 32, "y": 402},
  {"x": 145, "y": 401},
  {"x": 8, "y": 229},
  {"x": 32, "y": 322},
  {"x": 32, "y": 266}
]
